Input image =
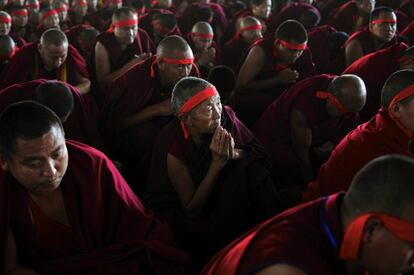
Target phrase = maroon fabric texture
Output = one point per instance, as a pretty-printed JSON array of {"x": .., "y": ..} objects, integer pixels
[
  {"x": 232, "y": 51},
  {"x": 250, "y": 106},
  {"x": 79, "y": 126},
  {"x": 115, "y": 233},
  {"x": 377, "y": 137},
  {"x": 319, "y": 44},
  {"x": 408, "y": 32},
  {"x": 22, "y": 67},
  {"x": 273, "y": 129},
  {"x": 344, "y": 18},
  {"x": 276, "y": 241},
  {"x": 374, "y": 74}
]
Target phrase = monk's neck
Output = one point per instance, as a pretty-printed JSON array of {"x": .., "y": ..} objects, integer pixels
[
  {"x": 47, "y": 196},
  {"x": 378, "y": 43}
]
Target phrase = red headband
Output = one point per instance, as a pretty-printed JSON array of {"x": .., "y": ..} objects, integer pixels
[
  {"x": 353, "y": 235},
  {"x": 46, "y": 15},
  {"x": 249, "y": 28},
  {"x": 403, "y": 94},
  {"x": 193, "y": 101},
  {"x": 298, "y": 47},
  {"x": 5, "y": 19},
  {"x": 379, "y": 21},
  {"x": 22, "y": 12},
  {"x": 33, "y": 5},
  {"x": 334, "y": 100},
  {"x": 183, "y": 61},
  {"x": 81, "y": 4},
  {"x": 124, "y": 23},
  {"x": 62, "y": 8},
  {"x": 203, "y": 35}
]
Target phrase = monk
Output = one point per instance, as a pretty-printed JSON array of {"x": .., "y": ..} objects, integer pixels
[
  {"x": 33, "y": 7},
  {"x": 272, "y": 65},
  {"x": 389, "y": 132},
  {"x": 62, "y": 9},
  {"x": 7, "y": 50},
  {"x": 248, "y": 31},
  {"x": 209, "y": 177},
  {"x": 20, "y": 18},
  {"x": 163, "y": 25},
  {"x": 206, "y": 51},
  {"x": 352, "y": 15},
  {"x": 338, "y": 234},
  {"x": 5, "y": 22},
  {"x": 77, "y": 12},
  {"x": 115, "y": 50},
  {"x": 300, "y": 129},
  {"x": 65, "y": 101},
  {"x": 379, "y": 35},
  {"x": 83, "y": 38},
  {"x": 372, "y": 70},
  {"x": 66, "y": 209},
  {"x": 134, "y": 119},
  {"x": 50, "y": 58}
]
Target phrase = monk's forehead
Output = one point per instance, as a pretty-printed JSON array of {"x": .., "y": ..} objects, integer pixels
[
  {"x": 386, "y": 15},
  {"x": 247, "y": 22},
  {"x": 203, "y": 29},
  {"x": 177, "y": 53},
  {"x": 127, "y": 16}
]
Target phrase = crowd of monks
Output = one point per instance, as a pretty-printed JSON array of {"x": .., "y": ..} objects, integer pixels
[{"x": 192, "y": 136}]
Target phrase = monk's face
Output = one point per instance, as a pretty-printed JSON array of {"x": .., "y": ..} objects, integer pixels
[
  {"x": 126, "y": 35},
  {"x": 263, "y": 10},
  {"x": 33, "y": 6},
  {"x": 384, "y": 31},
  {"x": 79, "y": 9},
  {"x": 165, "y": 4},
  {"x": 52, "y": 21},
  {"x": 20, "y": 20},
  {"x": 366, "y": 6},
  {"x": 206, "y": 117},
  {"x": 286, "y": 55},
  {"x": 171, "y": 73},
  {"x": 251, "y": 36},
  {"x": 5, "y": 28},
  {"x": 39, "y": 164},
  {"x": 53, "y": 56},
  {"x": 202, "y": 43},
  {"x": 63, "y": 14},
  {"x": 404, "y": 112}
]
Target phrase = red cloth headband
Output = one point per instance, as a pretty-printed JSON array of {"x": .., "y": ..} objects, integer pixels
[
  {"x": 353, "y": 235},
  {"x": 81, "y": 4},
  {"x": 203, "y": 35},
  {"x": 46, "y": 15},
  {"x": 33, "y": 5},
  {"x": 298, "y": 47},
  {"x": 62, "y": 8},
  {"x": 403, "y": 94},
  {"x": 184, "y": 61},
  {"x": 124, "y": 23},
  {"x": 379, "y": 21},
  {"x": 334, "y": 100},
  {"x": 5, "y": 19},
  {"x": 249, "y": 28},
  {"x": 22, "y": 12},
  {"x": 193, "y": 101}
]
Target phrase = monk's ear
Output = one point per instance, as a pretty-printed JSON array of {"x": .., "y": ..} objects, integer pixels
[
  {"x": 396, "y": 110},
  {"x": 4, "y": 163},
  {"x": 372, "y": 230},
  {"x": 185, "y": 118}
]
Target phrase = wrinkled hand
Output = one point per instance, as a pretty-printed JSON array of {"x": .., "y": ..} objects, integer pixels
[
  {"x": 206, "y": 57},
  {"x": 222, "y": 146},
  {"x": 287, "y": 76},
  {"x": 164, "y": 108}
]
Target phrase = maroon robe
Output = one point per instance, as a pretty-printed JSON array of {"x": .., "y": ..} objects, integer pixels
[
  {"x": 79, "y": 126},
  {"x": 345, "y": 17},
  {"x": 408, "y": 32},
  {"x": 373, "y": 71},
  {"x": 307, "y": 237},
  {"x": 231, "y": 52},
  {"x": 378, "y": 137},
  {"x": 73, "y": 33},
  {"x": 273, "y": 129},
  {"x": 243, "y": 195},
  {"x": 250, "y": 106},
  {"x": 113, "y": 232},
  {"x": 26, "y": 65}
]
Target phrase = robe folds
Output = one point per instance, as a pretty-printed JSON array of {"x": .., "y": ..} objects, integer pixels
[
  {"x": 297, "y": 237},
  {"x": 379, "y": 136},
  {"x": 231, "y": 52},
  {"x": 249, "y": 106},
  {"x": 374, "y": 74},
  {"x": 244, "y": 193},
  {"x": 27, "y": 65},
  {"x": 344, "y": 18},
  {"x": 273, "y": 129},
  {"x": 113, "y": 232},
  {"x": 79, "y": 126},
  {"x": 73, "y": 33}
]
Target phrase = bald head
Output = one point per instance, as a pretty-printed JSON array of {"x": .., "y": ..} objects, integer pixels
[
  {"x": 383, "y": 186},
  {"x": 57, "y": 96},
  {"x": 122, "y": 13},
  {"x": 54, "y": 37},
  {"x": 394, "y": 84},
  {"x": 175, "y": 47},
  {"x": 292, "y": 31},
  {"x": 350, "y": 90},
  {"x": 247, "y": 22},
  {"x": 5, "y": 26},
  {"x": 202, "y": 27},
  {"x": 7, "y": 47}
]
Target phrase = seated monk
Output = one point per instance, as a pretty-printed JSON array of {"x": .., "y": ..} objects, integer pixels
[
  {"x": 48, "y": 19},
  {"x": 62, "y": 9},
  {"x": 373, "y": 72},
  {"x": 248, "y": 31},
  {"x": 50, "y": 58},
  {"x": 272, "y": 65},
  {"x": 133, "y": 119},
  {"x": 7, "y": 50},
  {"x": 116, "y": 50},
  {"x": 389, "y": 132},
  {"x": 67, "y": 210},
  {"x": 5, "y": 22},
  {"x": 300, "y": 129},
  {"x": 352, "y": 16},
  {"x": 83, "y": 38},
  {"x": 367, "y": 230},
  {"x": 20, "y": 18},
  {"x": 65, "y": 101},
  {"x": 33, "y": 7},
  {"x": 209, "y": 177},
  {"x": 163, "y": 25},
  {"x": 77, "y": 12},
  {"x": 206, "y": 51},
  {"x": 379, "y": 35}
]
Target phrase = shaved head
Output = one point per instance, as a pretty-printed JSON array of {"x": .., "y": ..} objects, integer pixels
[
  {"x": 7, "y": 47},
  {"x": 292, "y": 31},
  {"x": 394, "y": 84},
  {"x": 123, "y": 13},
  {"x": 202, "y": 27},
  {"x": 54, "y": 37},
  {"x": 350, "y": 90},
  {"x": 173, "y": 46},
  {"x": 5, "y": 27},
  {"x": 247, "y": 22}
]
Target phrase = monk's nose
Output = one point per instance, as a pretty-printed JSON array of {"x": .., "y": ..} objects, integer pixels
[{"x": 49, "y": 168}]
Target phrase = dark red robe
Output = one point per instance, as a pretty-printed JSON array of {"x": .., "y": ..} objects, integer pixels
[
  {"x": 307, "y": 237},
  {"x": 96, "y": 21},
  {"x": 114, "y": 233},
  {"x": 251, "y": 105},
  {"x": 231, "y": 52},
  {"x": 378, "y": 137},
  {"x": 408, "y": 32},
  {"x": 243, "y": 195},
  {"x": 374, "y": 69},
  {"x": 273, "y": 129},
  {"x": 79, "y": 126},
  {"x": 73, "y": 33},
  {"x": 345, "y": 17}
]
